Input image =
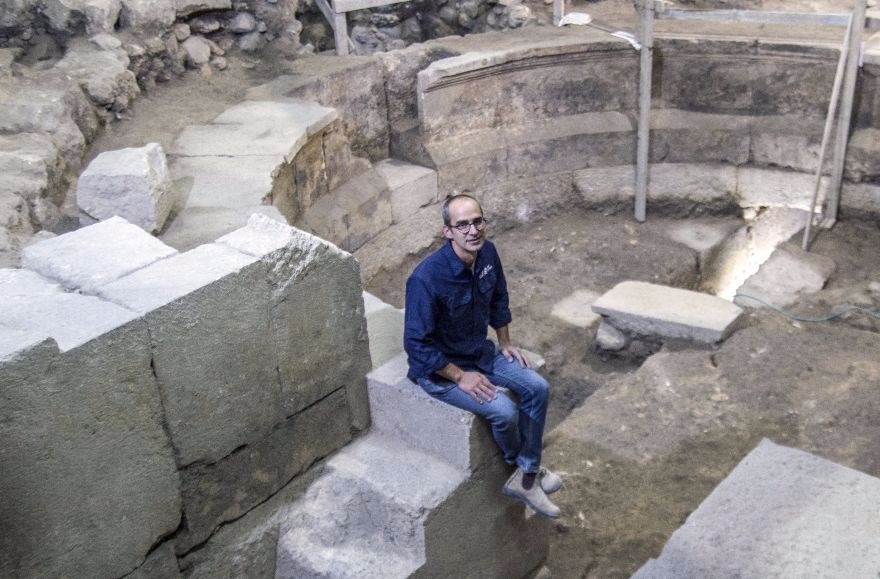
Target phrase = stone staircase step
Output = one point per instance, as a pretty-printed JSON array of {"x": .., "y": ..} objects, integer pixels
[
  {"x": 385, "y": 329},
  {"x": 780, "y": 513},
  {"x": 365, "y": 516},
  {"x": 401, "y": 410},
  {"x": 656, "y": 310},
  {"x": 411, "y": 186},
  {"x": 789, "y": 272}
]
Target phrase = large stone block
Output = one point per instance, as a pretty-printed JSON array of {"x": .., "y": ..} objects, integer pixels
[
  {"x": 86, "y": 470},
  {"x": 488, "y": 89},
  {"x": 411, "y": 186},
  {"x": 781, "y": 513},
  {"x": 207, "y": 312},
  {"x": 328, "y": 80},
  {"x": 385, "y": 326},
  {"x": 93, "y": 256},
  {"x": 132, "y": 183},
  {"x": 401, "y": 410},
  {"x": 352, "y": 214},
  {"x": 691, "y": 137},
  {"x": 669, "y": 312},
  {"x": 224, "y": 491},
  {"x": 316, "y": 312}
]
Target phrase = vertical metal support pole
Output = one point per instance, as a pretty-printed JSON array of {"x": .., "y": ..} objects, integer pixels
[
  {"x": 829, "y": 123},
  {"x": 646, "y": 10},
  {"x": 849, "y": 88},
  {"x": 340, "y": 33},
  {"x": 558, "y": 11}
]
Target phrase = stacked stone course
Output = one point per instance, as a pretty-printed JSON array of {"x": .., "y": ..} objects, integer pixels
[{"x": 168, "y": 393}]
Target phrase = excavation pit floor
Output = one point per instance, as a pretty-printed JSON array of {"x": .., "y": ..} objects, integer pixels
[{"x": 640, "y": 444}]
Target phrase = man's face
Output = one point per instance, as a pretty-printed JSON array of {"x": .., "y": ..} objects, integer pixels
[{"x": 462, "y": 211}]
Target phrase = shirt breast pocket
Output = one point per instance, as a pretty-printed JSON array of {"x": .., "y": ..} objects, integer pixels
[
  {"x": 487, "y": 283},
  {"x": 459, "y": 306}
]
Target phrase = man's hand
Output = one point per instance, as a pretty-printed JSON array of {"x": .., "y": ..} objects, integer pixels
[
  {"x": 512, "y": 352},
  {"x": 478, "y": 386}
]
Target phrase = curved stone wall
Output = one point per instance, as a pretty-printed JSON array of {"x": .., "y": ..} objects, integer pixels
[{"x": 566, "y": 107}]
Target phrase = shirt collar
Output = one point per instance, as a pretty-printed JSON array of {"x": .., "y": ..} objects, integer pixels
[{"x": 455, "y": 262}]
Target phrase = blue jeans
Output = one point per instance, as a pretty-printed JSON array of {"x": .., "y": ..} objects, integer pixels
[{"x": 518, "y": 432}]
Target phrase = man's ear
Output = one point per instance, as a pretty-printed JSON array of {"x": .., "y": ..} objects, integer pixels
[{"x": 447, "y": 232}]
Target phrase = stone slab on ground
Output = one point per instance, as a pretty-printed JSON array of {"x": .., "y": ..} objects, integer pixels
[
  {"x": 667, "y": 312},
  {"x": 788, "y": 273},
  {"x": 780, "y": 513},
  {"x": 89, "y": 481},
  {"x": 93, "y": 256},
  {"x": 412, "y": 186},
  {"x": 207, "y": 311},
  {"x": 575, "y": 308},
  {"x": 228, "y": 182},
  {"x": 132, "y": 183}
]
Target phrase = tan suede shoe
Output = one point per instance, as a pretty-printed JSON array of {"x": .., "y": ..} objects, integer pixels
[{"x": 535, "y": 497}]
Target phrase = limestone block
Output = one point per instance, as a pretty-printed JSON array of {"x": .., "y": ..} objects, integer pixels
[
  {"x": 7, "y": 58},
  {"x": 199, "y": 225},
  {"x": 240, "y": 140},
  {"x": 132, "y": 183},
  {"x": 402, "y": 411},
  {"x": 657, "y": 310},
  {"x": 93, "y": 256},
  {"x": 528, "y": 200},
  {"x": 788, "y": 273},
  {"x": 231, "y": 182},
  {"x": 491, "y": 89},
  {"x": 362, "y": 105},
  {"x": 861, "y": 197},
  {"x": 316, "y": 312},
  {"x": 468, "y": 161},
  {"x": 214, "y": 494},
  {"x": 30, "y": 166},
  {"x": 188, "y": 7},
  {"x": 86, "y": 461},
  {"x": 704, "y": 236},
  {"x": 776, "y": 188},
  {"x": 53, "y": 112},
  {"x": 141, "y": 16},
  {"x": 197, "y": 50},
  {"x": 352, "y": 214},
  {"x": 213, "y": 355},
  {"x": 862, "y": 154},
  {"x": 102, "y": 74},
  {"x": 679, "y": 136},
  {"x": 98, "y": 15},
  {"x": 160, "y": 564},
  {"x": 790, "y": 142},
  {"x": 385, "y": 327},
  {"x": 781, "y": 513},
  {"x": 610, "y": 338},
  {"x": 411, "y": 186}
]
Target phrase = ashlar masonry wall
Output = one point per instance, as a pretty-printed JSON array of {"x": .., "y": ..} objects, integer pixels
[{"x": 149, "y": 396}]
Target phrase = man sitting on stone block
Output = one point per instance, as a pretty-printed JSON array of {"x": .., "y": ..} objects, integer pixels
[{"x": 452, "y": 298}]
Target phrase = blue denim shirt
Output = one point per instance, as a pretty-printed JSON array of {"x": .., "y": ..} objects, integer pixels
[{"x": 449, "y": 310}]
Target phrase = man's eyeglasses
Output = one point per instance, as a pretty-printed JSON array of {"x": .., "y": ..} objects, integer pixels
[{"x": 464, "y": 226}]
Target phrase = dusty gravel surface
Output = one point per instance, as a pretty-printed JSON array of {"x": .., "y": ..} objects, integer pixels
[{"x": 812, "y": 386}]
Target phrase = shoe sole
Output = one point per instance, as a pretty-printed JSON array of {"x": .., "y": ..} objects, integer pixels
[{"x": 526, "y": 501}]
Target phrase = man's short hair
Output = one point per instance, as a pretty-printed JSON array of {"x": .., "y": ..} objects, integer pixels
[{"x": 450, "y": 199}]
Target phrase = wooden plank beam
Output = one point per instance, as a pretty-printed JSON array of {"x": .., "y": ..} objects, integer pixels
[
  {"x": 349, "y": 5},
  {"x": 646, "y": 38},
  {"x": 326, "y": 11},
  {"x": 754, "y": 16},
  {"x": 849, "y": 90}
]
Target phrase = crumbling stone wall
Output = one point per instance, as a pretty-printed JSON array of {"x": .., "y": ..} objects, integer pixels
[{"x": 151, "y": 396}]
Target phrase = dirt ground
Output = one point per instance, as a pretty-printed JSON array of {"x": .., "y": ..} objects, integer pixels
[{"x": 619, "y": 511}]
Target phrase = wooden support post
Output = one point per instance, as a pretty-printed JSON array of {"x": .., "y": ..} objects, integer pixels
[
  {"x": 646, "y": 38},
  {"x": 558, "y": 11},
  {"x": 849, "y": 89},
  {"x": 826, "y": 134},
  {"x": 340, "y": 33}
]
